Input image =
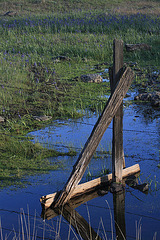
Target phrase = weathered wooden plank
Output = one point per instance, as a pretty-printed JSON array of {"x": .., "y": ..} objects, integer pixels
[
  {"x": 90, "y": 186},
  {"x": 117, "y": 141},
  {"x": 48, "y": 212},
  {"x": 99, "y": 129},
  {"x": 117, "y": 61},
  {"x": 138, "y": 46},
  {"x": 117, "y": 146}
]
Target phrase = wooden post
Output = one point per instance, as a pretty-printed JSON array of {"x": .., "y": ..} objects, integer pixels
[
  {"x": 99, "y": 129},
  {"x": 117, "y": 142}
]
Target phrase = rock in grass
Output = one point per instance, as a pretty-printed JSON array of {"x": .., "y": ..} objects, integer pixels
[
  {"x": 1, "y": 119},
  {"x": 154, "y": 98},
  {"x": 143, "y": 187},
  {"x": 131, "y": 181},
  {"x": 91, "y": 78},
  {"x": 61, "y": 58},
  {"x": 42, "y": 118},
  {"x": 10, "y": 14}
]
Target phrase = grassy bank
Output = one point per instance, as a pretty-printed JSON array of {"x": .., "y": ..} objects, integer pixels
[
  {"x": 36, "y": 81},
  {"x": 20, "y": 158}
]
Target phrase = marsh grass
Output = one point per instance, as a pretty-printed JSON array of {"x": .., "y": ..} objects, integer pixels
[
  {"x": 20, "y": 158},
  {"x": 87, "y": 36},
  {"x": 27, "y": 228}
]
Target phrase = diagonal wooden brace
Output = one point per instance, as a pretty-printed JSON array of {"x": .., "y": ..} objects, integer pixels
[{"x": 98, "y": 131}]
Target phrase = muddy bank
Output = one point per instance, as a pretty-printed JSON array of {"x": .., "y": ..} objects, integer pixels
[{"x": 148, "y": 87}]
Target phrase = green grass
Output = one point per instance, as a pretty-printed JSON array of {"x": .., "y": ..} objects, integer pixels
[
  {"x": 33, "y": 82},
  {"x": 20, "y": 157}
]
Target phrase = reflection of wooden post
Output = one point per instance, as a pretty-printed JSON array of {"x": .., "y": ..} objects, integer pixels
[
  {"x": 119, "y": 215},
  {"x": 117, "y": 143},
  {"x": 81, "y": 226},
  {"x": 79, "y": 223}
]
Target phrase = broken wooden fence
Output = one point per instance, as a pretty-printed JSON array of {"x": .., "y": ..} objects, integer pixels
[
  {"x": 121, "y": 80},
  {"x": 82, "y": 227}
]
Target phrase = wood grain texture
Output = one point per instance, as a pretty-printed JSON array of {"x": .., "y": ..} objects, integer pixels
[
  {"x": 117, "y": 140},
  {"x": 88, "y": 187},
  {"x": 138, "y": 46}
]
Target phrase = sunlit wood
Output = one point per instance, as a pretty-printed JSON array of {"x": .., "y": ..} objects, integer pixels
[{"x": 91, "y": 185}]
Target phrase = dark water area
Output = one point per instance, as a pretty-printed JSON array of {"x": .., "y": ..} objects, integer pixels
[{"x": 139, "y": 213}]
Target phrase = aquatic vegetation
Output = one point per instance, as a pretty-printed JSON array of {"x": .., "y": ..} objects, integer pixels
[
  {"x": 20, "y": 157},
  {"x": 90, "y": 175}
]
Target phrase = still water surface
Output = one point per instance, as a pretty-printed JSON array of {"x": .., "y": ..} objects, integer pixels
[{"x": 141, "y": 145}]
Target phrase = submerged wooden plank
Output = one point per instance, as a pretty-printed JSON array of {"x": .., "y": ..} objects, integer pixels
[
  {"x": 90, "y": 186},
  {"x": 138, "y": 46}
]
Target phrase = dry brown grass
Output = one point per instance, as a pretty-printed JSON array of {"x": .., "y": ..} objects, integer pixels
[
  {"x": 116, "y": 7},
  {"x": 134, "y": 7}
]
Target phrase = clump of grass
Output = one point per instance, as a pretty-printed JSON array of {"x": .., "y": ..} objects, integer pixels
[
  {"x": 29, "y": 229},
  {"x": 104, "y": 171},
  {"x": 19, "y": 158}
]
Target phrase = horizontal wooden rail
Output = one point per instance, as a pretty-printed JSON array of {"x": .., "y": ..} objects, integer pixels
[{"x": 90, "y": 186}]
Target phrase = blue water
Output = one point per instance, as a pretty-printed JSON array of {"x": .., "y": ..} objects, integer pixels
[{"x": 141, "y": 145}]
